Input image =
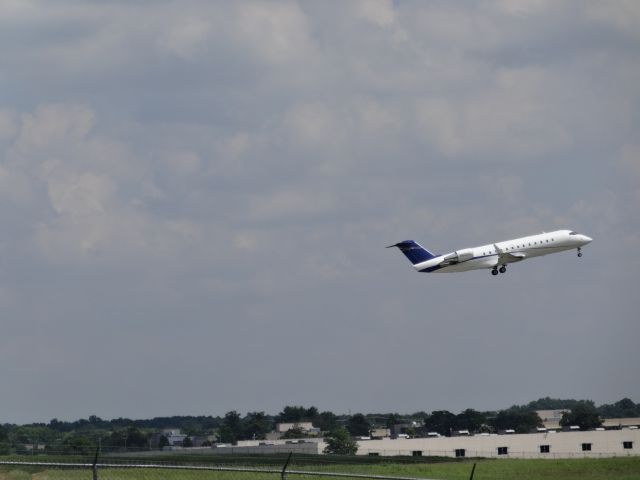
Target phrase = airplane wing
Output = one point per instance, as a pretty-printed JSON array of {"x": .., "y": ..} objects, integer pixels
[{"x": 505, "y": 257}]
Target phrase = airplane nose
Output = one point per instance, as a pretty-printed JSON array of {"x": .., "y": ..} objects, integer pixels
[{"x": 587, "y": 239}]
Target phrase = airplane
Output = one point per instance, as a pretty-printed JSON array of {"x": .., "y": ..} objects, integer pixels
[{"x": 494, "y": 256}]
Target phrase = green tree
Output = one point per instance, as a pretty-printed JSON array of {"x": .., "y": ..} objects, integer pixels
[
  {"x": 31, "y": 436},
  {"x": 585, "y": 415},
  {"x": 441, "y": 421},
  {"x": 547, "y": 403},
  {"x": 163, "y": 442},
  {"x": 470, "y": 420},
  {"x": 295, "y": 432},
  {"x": 291, "y": 414},
  {"x": 620, "y": 409},
  {"x": 4, "y": 441},
  {"x": 137, "y": 439},
  {"x": 410, "y": 431},
  {"x": 393, "y": 419},
  {"x": 255, "y": 425},
  {"x": 231, "y": 429},
  {"x": 522, "y": 421},
  {"x": 312, "y": 413},
  {"x": 326, "y": 421},
  {"x": 77, "y": 444},
  {"x": 187, "y": 442},
  {"x": 339, "y": 442},
  {"x": 116, "y": 440},
  {"x": 358, "y": 425}
]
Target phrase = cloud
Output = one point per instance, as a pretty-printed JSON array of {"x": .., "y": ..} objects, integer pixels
[
  {"x": 187, "y": 37},
  {"x": 515, "y": 116},
  {"x": 623, "y": 15},
  {"x": 215, "y": 178},
  {"x": 378, "y": 12},
  {"x": 277, "y": 32},
  {"x": 8, "y": 124},
  {"x": 54, "y": 124}
]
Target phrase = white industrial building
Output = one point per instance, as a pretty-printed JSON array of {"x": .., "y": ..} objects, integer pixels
[
  {"x": 597, "y": 443},
  {"x": 572, "y": 444}
]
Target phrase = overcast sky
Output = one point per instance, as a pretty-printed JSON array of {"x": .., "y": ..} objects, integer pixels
[{"x": 195, "y": 198}]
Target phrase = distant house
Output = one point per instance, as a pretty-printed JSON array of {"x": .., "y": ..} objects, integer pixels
[
  {"x": 29, "y": 447},
  {"x": 613, "y": 423},
  {"x": 304, "y": 426},
  {"x": 174, "y": 436},
  {"x": 203, "y": 440},
  {"x": 307, "y": 428},
  {"x": 551, "y": 418},
  {"x": 403, "y": 429},
  {"x": 377, "y": 433}
]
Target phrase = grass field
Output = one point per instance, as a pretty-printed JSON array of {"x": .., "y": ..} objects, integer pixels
[{"x": 624, "y": 468}]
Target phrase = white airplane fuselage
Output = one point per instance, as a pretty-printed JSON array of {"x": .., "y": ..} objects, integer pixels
[{"x": 493, "y": 256}]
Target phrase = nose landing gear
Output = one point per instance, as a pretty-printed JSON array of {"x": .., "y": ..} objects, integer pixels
[{"x": 579, "y": 251}]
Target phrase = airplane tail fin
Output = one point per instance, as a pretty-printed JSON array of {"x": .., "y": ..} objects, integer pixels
[{"x": 414, "y": 251}]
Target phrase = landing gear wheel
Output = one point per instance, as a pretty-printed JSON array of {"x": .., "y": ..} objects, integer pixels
[
  {"x": 503, "y": 269},
  {"x": 494, "y": 272},
  {"x": 579, "y": 251}
]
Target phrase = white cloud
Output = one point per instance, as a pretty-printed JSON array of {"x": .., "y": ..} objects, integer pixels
[
  {"x": 8, "y": 124},
  {"x": 312, "y": 125},
  {"x": 16, "y": 187},
  {"x": 77, "y": 193},
  {"x": 623, "y": 15},
  {"x": 524, "y": 7},
  {"x": 278, "y": 32},
  {"x": 292, "y": 204},
  {"x": 518, "y": 116},
  {"x": 245, "y": 241},
  {"x": 378, "y": 12},
  {"x": 187, "y": 37},
  {"x": 54, "y": 125},
  {"x": 630, "y": 159},
  {"x": 184, "y": 163},
  {"x": 95, "y": 207}
]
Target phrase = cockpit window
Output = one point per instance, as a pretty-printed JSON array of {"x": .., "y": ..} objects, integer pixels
[{"x": 573, "y": 233}]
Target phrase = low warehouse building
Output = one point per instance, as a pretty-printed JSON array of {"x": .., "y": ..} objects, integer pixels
[
  {"x": 551, "y": 444},
  {"x": 605, "y": 443}
]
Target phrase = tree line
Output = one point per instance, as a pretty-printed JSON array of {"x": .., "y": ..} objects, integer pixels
[{"x": 84, "y": 435}]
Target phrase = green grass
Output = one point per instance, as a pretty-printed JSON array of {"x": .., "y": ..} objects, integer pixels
[
  {"x": 622, "y": 468},
  {"x": 627, "y": 468}
]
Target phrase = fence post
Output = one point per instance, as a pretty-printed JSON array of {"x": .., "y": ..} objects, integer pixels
[
  {"x": 472, "y": 470},
  {"x": 283, "y": 474},
  {"x": 95, "y": 464}
]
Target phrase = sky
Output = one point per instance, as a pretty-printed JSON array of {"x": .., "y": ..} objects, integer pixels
[{"x": 195, "y": 197}]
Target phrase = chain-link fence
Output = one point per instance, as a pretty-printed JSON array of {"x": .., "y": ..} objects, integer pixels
[{"x": 136, "y": 470}]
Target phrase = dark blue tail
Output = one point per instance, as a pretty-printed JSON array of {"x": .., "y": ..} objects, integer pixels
[{"x": 413, "y": 251}]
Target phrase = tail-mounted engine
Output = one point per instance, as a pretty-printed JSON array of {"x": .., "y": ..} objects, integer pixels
[{"x": 458, "y": 256}]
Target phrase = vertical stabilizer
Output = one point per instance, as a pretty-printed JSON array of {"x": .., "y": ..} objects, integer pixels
[{"x": 414, "y": 251}]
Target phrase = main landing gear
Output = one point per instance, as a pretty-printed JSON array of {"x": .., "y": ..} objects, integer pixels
[
  {"x": 579, "y": 251},
  {"x": 495, "y": 270}
]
